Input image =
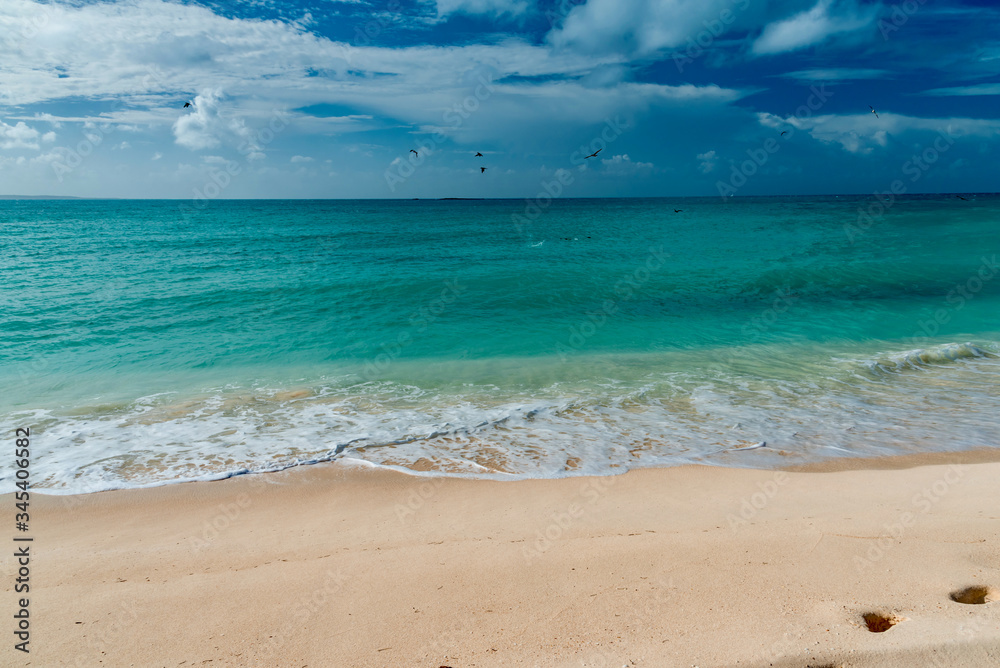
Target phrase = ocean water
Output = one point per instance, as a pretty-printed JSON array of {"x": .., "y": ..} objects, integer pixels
[{"x": 146, "y": 342}]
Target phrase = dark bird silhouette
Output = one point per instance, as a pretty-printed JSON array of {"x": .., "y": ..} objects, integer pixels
[
  {"x": 483, "y": 170},
  {"x": 479, "y": 155},
  {"x": 594, "y": 154},
  {"x": 873, "y": 110},
  {"x": 678, "y": 210},
  {"x": 187, "y": 104},
  {"x": 414, "y": 153},
  {"x": 783, "y": 133},
  {"x": 961, "y": 198}
]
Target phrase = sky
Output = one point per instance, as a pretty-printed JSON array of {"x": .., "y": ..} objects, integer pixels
[{"x": 326, "y": 99}]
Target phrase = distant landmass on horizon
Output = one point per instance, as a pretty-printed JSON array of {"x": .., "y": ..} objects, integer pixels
[{"x": 40, "y": 197}]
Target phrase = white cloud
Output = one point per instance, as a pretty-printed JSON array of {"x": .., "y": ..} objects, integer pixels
[
  {"x": 707, "y": 162},
  {"x": 837, "y": 74},
  {"x": 301, "y": 158},
  {"x": 642, "y": 26},
  {"x": 862, "y": 134},
  {"x": 18, "y": 136},
  {"x": 118, "y": 58},
  {"x": 813, "y": 27},
  {"x": 208, "y": 126},
  {"x": 46, "y": 159},
  {"x": 622, "y": 164},
  {"x": 493, "y": 7},
  {"x": 197, "y": 130},
  {"x": 978, "y": 89},
  {"x": 119, "y": 51}
]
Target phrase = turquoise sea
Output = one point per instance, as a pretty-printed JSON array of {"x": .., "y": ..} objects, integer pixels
[{"x": 146, "y": 342}]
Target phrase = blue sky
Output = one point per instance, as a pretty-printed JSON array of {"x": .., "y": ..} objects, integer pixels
[{"x": 326, "y": 99}]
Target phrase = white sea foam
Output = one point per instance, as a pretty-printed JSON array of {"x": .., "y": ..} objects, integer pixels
[
  {"x": 919, "y": 358},
  {"x": 862, "y": 406}
]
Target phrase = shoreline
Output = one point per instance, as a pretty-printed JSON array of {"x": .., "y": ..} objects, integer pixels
[
  {"x": 694, "y": 565},
  {"x": 899, "y": 462},
  {"x": 831, "y": 465}
]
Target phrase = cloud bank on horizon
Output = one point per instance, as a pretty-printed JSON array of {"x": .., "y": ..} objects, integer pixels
[{"x": 684, "y": 97}]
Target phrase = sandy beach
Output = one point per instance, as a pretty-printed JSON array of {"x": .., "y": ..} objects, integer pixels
[
  {"x": 500, "y": 334},
  {"x": 341, "y": 565}
]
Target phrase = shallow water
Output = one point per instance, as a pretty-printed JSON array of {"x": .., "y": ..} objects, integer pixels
[{"x": 143, "y": 345}]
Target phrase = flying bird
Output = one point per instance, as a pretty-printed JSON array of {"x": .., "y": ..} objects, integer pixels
[
  {"x": 961, "y": 198},
  {"x": 414, "y": 153},
  {"x": 873, "y": 110},
  {"x": 783, "y": 133},
  {"x": 483, "y": 170},
  {"x": 678, "y": 210},
  {"x": 479, "y": 155},
  {"x": 187, "y": 104},
  {"x": 594, "y": 154}
]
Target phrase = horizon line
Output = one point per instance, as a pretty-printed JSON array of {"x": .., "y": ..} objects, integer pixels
[{"x": 455, "y": 199}]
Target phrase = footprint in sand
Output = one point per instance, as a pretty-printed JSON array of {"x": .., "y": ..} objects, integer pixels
[
  {"x": 880, "y": 623},
  {"x": 977, "y": 595}
]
